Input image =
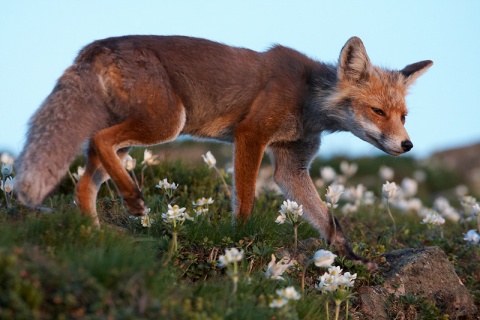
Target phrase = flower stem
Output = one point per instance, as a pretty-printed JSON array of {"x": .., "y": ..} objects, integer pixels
[
  {"x": 235, "y": 277},
  {"x": 71, "y": 177},
  {"x": 7, "y": 200},
  {"x": 394, "y": 224},
  {"x": 346, "y": 309},
  {"x": 326, "y": 310},
  {"x": 337, "y": 308},
  {"x": 295, "y": 235},
  {"x": 174, "y": 240},
  {"x": 334, "y": 225},
  {"x": 303, "y": 274},
  {"x": 224, "y": 182}
]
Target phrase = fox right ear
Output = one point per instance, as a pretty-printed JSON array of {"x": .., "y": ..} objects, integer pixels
[
  {"x": 415, "y": 70},
  {"x": 354, "y": 64}
]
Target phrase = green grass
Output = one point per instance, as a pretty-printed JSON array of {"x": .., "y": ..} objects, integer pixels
[{"x": 57, "y": 266}]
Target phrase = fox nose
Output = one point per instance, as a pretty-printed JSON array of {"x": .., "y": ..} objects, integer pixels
[{"x": 407, "y": 145}]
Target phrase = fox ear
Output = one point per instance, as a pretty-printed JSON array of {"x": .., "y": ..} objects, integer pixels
[
  {"x": 354, "y": 64},
  {"x": 415, "y": 70}
]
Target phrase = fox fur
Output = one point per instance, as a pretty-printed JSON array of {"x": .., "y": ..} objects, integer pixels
[{"x": 146, "y": 90}]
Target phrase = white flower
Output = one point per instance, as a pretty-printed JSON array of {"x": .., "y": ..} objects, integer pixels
[
  {"x": 328, "y": 174},
  {"x": 175, "y": 213},
  {"x": 368, "y": 198},
  {"x": 8, "y": 185},
  {"x": 349, "y": 208},
  {"x": 468, "y": 202},
  {"x": 7, "y": 169},
  {"x": 6, "y": 158},
  {"x": 461, "y": 190},
  {"x": 328, "y": 282},
  {"x": 476, "y": 209},
  {"x": 355, "y": 194},
  {"x": 346, "y": 280},
  {"x": 129, "y": 163},
  {"x": 231, "y": 255},
  {"x": 276, "y": 269},
  {"x": 348, "y": 169},
  {"x": 333, "y": 279},
  {"x": 420, "y": 175},
  {"x": 414, "y": 204},
  {"x": 386, "y": 173},
  {"x": 389, "y": 190},
  {"x": 333, "y": 193},
  {"x": 80, "y": 172},
  {"x": 291, "y": 207},
  {"x": 323, "y": 258},
  {"x": 164, "y": 184},
  {"x": 409, "y": 187},
  {"x": 472, "y": 237},
  {"x": 289, "y": 293},
  {"x": 335, "y": 271},
  {"x": 278, "y": 302},
  {"x": 281, "y": 218},
  {"x": 209, "y": 159},
  {"x": 441, "y": 204},
  {"x": 200, "y": 210},
  {"x": 202, "y": 202},
  {"x": 150, "y": 159},
  {"x": 433, "y": 218},
  {"x": 146, "y": 221}
]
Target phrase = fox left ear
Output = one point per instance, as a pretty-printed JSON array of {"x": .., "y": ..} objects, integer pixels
[
  {"x": 353, "y": 64},
  {"x": 415, "y": 70}
]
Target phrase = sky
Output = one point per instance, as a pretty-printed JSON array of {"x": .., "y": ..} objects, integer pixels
[{"x": 40, "y": 39}]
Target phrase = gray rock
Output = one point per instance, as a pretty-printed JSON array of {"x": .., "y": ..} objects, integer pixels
[{"x": 423, "y": 273}]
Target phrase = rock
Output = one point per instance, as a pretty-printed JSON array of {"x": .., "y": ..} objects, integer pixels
[{"x": 422, "y": 274}]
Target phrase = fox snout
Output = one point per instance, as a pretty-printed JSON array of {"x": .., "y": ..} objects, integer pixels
[{"x": 407, "y": 145}]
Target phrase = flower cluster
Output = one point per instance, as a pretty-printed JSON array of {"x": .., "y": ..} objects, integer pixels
[
  {"x": 290, "y": 211},
  {"x": 230, "y": 259},
  {"x": 175, "y": 215},
  {"x": 231, "y": 256},
  {"x": 433, "y": 218},
  {"x": 285, "y": 295},
  {"x": 334, "y": 280},
  {"x": 7, "y": 183},
  {"x": 201, "y": 205},
  {"x": 472, "y": 237},
  {"x": 333, "y": 194},
  {"x": 275, "y": 269},
  {"x": 164, "y": 184}
]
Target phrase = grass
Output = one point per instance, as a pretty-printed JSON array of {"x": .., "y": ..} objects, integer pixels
[{"x": 58, "y": 266}]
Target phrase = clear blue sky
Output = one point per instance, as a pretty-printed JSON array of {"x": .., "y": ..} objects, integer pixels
[{"x": 39, "y": 39}]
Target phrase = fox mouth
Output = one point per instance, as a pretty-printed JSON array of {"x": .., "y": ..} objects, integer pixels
[{"x": 378, "y": 143}]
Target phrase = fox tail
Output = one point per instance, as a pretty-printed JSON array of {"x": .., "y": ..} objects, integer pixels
[{"x": 69, "y": 116}]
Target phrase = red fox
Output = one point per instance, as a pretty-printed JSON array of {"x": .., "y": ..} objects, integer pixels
[{"x": 145, "y": 90}]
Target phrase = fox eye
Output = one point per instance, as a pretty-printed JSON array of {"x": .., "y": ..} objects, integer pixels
[
  {"x": 380, "y": 112},
  {"x": 403, "y": 118}
]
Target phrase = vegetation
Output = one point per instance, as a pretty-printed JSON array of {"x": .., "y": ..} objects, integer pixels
[{"x": 55, "y": 265}]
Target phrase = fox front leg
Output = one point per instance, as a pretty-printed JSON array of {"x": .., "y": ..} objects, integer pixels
[{"x": 292, "y": 161}]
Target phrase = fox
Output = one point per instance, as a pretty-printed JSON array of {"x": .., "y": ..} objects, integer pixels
[{"x": 144, "y": 90}]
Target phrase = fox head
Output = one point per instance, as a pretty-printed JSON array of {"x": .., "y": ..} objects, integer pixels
[{"x": 374, "y": 98}]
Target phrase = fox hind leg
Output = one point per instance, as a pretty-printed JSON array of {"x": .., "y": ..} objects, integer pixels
[
  {"x": 152, "y": 126},
  {"x": 89, "y": 185}
]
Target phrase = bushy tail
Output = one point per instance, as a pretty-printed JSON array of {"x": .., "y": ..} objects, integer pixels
[{"x": 71, "y": 114}]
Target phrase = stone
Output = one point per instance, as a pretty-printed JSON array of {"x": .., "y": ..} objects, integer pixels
[{"x": 424, "y": 273}]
